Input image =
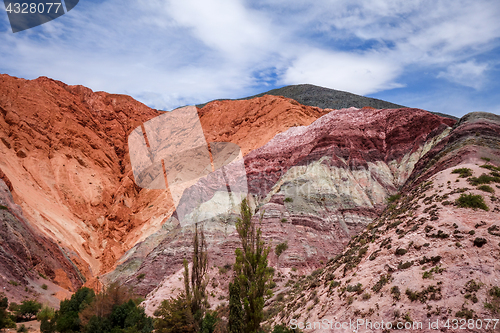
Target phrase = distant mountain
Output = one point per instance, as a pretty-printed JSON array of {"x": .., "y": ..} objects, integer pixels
[{"x": 325, "y": 98}]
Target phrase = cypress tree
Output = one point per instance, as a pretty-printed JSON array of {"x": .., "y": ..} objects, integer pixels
[
  {"x": 235, "y": 309},
  {"x": 253, "y": 274}
]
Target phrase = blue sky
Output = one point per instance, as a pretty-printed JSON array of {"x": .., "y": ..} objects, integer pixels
[{"x": 439, "y": 55}]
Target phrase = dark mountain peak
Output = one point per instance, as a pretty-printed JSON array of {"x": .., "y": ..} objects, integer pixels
[{"x": 325, "y": 98}]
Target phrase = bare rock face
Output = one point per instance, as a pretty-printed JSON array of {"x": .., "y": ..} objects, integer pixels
[
  {"x": 252, "y": 123},
  {"x": 64, "y": 157},
  {"x": 316, "y": 186},
  {"x": 427, "y": 257},
  {"x": 27, "y": 258}
]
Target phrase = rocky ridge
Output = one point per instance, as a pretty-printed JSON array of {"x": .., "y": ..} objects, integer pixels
[{"x": 325, "y": 98}]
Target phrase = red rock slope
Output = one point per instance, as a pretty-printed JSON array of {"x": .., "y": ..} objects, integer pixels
[{"x": 64, "y": 155}]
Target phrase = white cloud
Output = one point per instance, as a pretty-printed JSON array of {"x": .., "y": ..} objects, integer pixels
[
  {"x": 171, "y": 53},
  {"x": 360, "y": 74},
  {"x": 470, "y": 74}
]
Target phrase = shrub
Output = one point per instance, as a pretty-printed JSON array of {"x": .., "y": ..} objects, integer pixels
[
  {"x": 2, "y": 207},
  {"x": 14, "y": 283},
  {"x": 367, "y": 296},
  {"x": 394, "y": 197},
  {"x": 384, "y": 279},
  {"x": 490, "y": 167},
  {"x": 483, "y": 179},
  {"x": 486, "y": 188},
  {"x": 288, "y": 200},
  {"x": 44, "y": 286},
  {"x": 464, "y": 172},
  {"x": 22, "y": 329},
  {"x": 405, "y": 265},
  {"x": 465, "y": 313},
  {"x": 401, "y": 251},
  {"x": 471, "y": 201},
  {"x": 479, "y": 241},
  {"x": 396, "y": 293},
  {"x": 355, "y": 288}
]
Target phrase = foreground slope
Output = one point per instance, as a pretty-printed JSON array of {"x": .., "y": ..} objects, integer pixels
[{"x": 427, "y": 257}]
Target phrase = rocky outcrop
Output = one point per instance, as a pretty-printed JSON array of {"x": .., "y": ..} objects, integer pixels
[{"x": 427, "y": 258}]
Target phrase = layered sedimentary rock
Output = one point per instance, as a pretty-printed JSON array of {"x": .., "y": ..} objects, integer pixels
[
  {"x": 64, "y": 157},
  {"x": 429, "y": 257},
  {"x": 27, "y": 258},
  {"x": 315, "y": 185}
]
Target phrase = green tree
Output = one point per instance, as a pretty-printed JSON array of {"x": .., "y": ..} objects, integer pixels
[
  {"x": 29, "y": 309},
  {"x": 102, "y": 304},
  {"x": 252, "y": 271},
  {"x": 175, "y": 316},
  {"x": 186, "y": 312},
  {"x": 235, "y": 322},
  {"x": 195, "y": 293},
  {"x": 279, "y": 249},
  {"x": 5, "y": 320},
  {"x": 209, "y": 322},
  {"x": 67, "y": 318},
  {"x": 46, "y": 317}
]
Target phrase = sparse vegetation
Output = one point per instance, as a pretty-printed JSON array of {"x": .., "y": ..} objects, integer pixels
[
  {"x": 483, "y": 179},
  {"x": 490, "y": 167},
  {"x": 405, "y": 265},
  {"x": 463, "y": 172},
  {"x": 479, "y": 241},
  {"x": 429, "y": 293},
  {"x": 384, "y": 279},
  {"x": 471, "y": 201},
  {"x": 401, "y": 251},
  {"x": 358, "y": 288},
  {"x": 486, "y": 188},
  {"x": 393, "y": 198},
  {"x": 493, "y": 303},
  {"x": 396, "y": 293},
  {"x": 465, "y": 313}
]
